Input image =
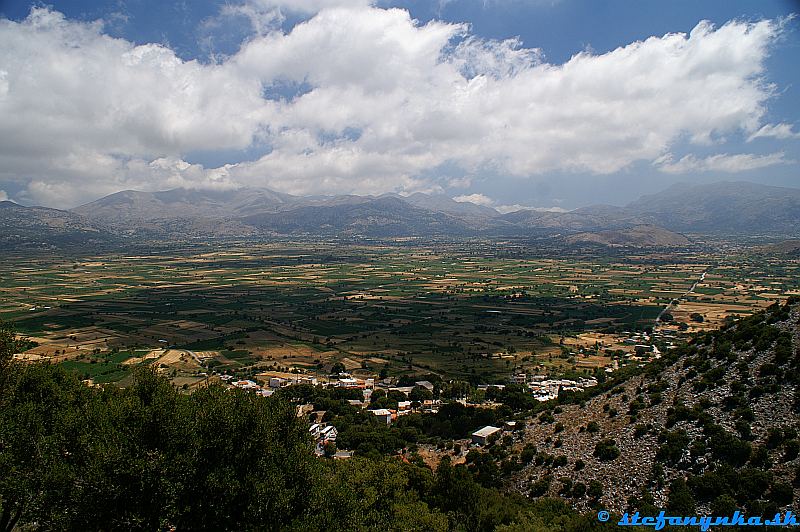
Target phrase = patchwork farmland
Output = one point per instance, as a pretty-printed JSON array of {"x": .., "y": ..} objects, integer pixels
[{"x": 473, "y": 311}]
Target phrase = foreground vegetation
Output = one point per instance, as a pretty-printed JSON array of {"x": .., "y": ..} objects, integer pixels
[
  {"x": 152, "y": 457},
  {"x": 148, "y": 457}
]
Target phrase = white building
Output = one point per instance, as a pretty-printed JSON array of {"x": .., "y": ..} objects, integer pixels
[
  {"x": 481, "y": 437},
  {"x": 425, "y": 384},
  {"x": 383, "y": 414},
  {"x": 349, "y": 382},
  {"x": 247, "y": 385},
  {"x": 328, "y": 433},
  {"x": 323, "y": 431},
  {"x": 402, "y": 389},
  {"x": 277, "y": 382}
]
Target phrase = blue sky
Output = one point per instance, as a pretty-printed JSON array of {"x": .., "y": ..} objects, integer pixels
[{"x": 339, "y": 96}]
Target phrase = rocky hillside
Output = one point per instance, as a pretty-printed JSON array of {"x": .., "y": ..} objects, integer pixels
[
  {"x": 787, "y": 247},
  {"x": 37, "y": 227},
  {"x": 727, "y": 207},
  {"x": 711, "y": 427},
  {"x": 381, "y": 217},
  {"x": 637, "y": 236}
]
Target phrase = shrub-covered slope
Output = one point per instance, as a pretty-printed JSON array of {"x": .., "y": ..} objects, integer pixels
[{"x": 712, "y": 426}]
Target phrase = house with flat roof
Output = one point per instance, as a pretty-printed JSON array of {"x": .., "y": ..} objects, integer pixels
[
  {"x": 481, "y": 436},
  {"x": 277, "y": 382},
  {"x": 425, "y": 384},
  {"x": 383, "y": 414},
  {"x": 328, "y": 433},
  {"x": 402, "y": 389}
]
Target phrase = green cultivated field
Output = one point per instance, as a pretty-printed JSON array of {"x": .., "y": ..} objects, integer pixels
[{"x": 475, "y": 311}]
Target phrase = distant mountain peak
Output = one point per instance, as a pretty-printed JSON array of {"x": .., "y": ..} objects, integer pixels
[{"x": 728, "y": 206}]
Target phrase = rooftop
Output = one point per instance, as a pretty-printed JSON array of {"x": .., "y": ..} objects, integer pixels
[{"x": 488, "y": 430}]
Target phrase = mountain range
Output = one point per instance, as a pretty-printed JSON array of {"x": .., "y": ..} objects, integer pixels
[{"x": 652, "y": 220}]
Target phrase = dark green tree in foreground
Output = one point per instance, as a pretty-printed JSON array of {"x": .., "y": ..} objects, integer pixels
[
  {"x": 147, "y": 457},
  {"x": 7, "y": 344}
]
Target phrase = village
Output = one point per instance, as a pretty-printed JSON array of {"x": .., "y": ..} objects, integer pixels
[{"x": 420, "y": 398}]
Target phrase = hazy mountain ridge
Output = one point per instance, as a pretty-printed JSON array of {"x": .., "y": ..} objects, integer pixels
[
  {"x": 636, "y": 236},
  {"x": 385, "y": 216},
  {"x": 268, "y": 212},
  {"x": 36, "y": 226},
  {"x": 251, "y": 213},
  {"x": 182, "y": 203},
  {"x": 723, "y": 207},
  {"x": 443, "y": 203},
  {"x": 787, "y": 247},
  {"x": 568, "y": 221}
]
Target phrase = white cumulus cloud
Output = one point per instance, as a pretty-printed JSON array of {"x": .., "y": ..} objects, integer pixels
[
  {"x": 378, "y": 101},
  {"x": 504, "y": 209},
  {"x": 778, "y": 131},
  {"x": 477, "y": 199},
  {"x": 720, "y": 163},
  {"x": 486, "y": 201}
]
